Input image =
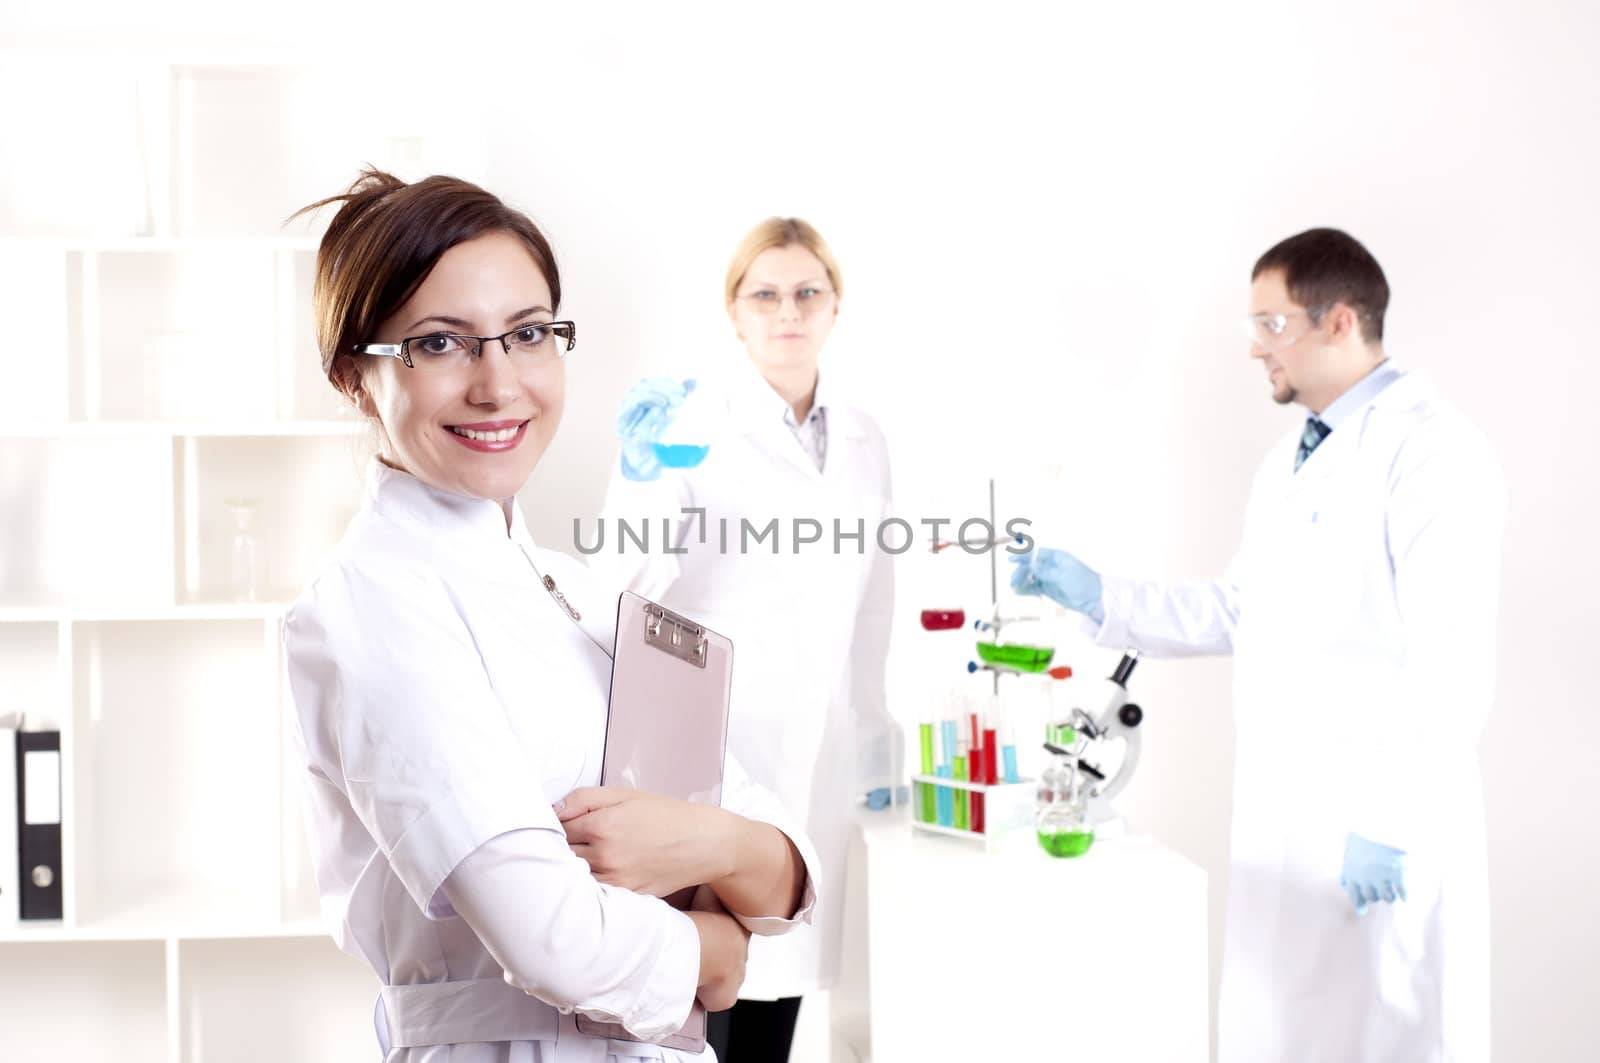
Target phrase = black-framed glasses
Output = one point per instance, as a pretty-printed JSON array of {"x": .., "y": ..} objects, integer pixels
[{"x": 527, "y": 345}]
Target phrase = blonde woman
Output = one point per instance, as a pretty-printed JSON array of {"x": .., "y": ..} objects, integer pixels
[{"x": 781, "y": 553}]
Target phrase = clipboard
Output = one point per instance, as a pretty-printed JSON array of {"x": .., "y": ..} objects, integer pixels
[{"x": 666, "y": 732}]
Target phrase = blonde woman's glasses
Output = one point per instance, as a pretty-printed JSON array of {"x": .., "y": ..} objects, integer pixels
[{"x": 808, "y": 299}]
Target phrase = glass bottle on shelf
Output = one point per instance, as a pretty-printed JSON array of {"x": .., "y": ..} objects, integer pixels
[
  {"x": 243, "y": 576},
  {"x": 1061, "y": 818}
]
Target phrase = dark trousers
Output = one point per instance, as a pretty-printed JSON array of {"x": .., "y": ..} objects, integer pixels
[{"x": 753, "y": 1031}]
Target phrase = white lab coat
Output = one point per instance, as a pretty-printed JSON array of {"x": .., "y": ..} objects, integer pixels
[
  {"x": 444, "y": 702},
  {"x": 810, "y": 626},
  {"x": 1360, "y": 610}
]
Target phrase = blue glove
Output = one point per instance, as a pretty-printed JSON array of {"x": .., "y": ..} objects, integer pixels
[
  {"x": 1372, "y": 873},
  {"x": 878, "y": 799},
  {"x": 645, "y": 412},
  {"x": 1060, "y": 577}
]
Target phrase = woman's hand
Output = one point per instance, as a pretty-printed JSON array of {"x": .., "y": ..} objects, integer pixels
[
  {"x": 724, "y": 948},
  {"x": 645, "y": 842}
]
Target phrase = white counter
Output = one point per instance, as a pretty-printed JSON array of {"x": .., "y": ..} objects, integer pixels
[{"x": 1015, "y": 955}]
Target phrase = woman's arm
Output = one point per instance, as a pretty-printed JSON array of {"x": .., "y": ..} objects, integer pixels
[
  {"x": 659, "y": 845},
  {"x": 766, "y": 876},
  {"x": 581, "y": 946},
  {"x": 724, "y": 949},
  {"x": 518, "y": 894}
]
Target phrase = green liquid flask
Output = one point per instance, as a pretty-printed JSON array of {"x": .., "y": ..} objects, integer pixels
[
  {"x": 1021, "y": 658},
  {"x": 1061, "y": 819},
  {"x": 1066, "y": 843}
]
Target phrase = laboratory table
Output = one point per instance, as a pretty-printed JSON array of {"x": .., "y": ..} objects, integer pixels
[{"x": 957, "y": 954}]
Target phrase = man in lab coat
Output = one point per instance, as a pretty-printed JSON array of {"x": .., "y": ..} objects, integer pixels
[{"x": 1360, "y": 610}]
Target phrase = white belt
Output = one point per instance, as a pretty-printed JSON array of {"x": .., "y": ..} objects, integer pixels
[
  {"x": 477, "y": 1010},
  {"x": 448, "y": 1013}
]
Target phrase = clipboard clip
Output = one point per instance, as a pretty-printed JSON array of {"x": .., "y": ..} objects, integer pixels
[{"x": 671, "y": 633}]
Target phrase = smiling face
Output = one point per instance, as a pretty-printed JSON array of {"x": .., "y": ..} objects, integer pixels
[
  {"x": 791, "y": 285},
  {"x": 479, "y": 429}
]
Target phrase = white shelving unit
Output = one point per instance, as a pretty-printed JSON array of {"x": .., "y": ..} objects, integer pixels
[{"x": 169, "y": 365}]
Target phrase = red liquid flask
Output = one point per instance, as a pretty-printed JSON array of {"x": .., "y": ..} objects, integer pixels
[{"x": 943, "y": 619}]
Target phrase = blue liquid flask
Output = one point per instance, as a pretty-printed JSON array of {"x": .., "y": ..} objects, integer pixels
[{"x": 686, "y": 440}]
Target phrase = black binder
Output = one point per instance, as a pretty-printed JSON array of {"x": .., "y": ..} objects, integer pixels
[{"x": 39, "y": 823}]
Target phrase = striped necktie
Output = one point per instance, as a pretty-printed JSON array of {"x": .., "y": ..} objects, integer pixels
[{"x": 1315, "y": 432}]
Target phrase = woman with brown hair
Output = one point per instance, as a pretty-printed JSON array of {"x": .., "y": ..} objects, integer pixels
[{"x": 450, "y": 680}]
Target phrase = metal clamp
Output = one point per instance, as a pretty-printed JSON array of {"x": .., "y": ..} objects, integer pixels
[{"x": 671, "y": 633}]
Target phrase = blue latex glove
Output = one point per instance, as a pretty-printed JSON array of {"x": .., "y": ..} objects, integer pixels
[
  {"x": 878, "y": 799},
  {"x": 645, "y": 412},
  {"x": 1372, "y": 873},
  {"x": 1060, "y": 577}
]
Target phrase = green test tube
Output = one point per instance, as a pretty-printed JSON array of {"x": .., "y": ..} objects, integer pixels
[
  {"x": 925, "y": 790},
  {"x": 961, "y": 795}
]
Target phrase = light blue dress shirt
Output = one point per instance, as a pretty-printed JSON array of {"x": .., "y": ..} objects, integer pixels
[{"x": 1359, "y": 394}]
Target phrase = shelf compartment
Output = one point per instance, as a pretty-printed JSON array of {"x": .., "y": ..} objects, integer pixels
[
  {"x": 30, "y": 655},
  {"x": 234, "y": 170},
  {"x": 84, "y": 1001},
  {"x": 305, "y": 490},
  {"x": 87, "y": 520},
  {"x": 252, "y": 144},
  {"x": 316, "y": 1001},
  {"x": 176, "y": 774},
  {"x": 179, "y": 336},
  {"x": 37, "y": 284},
  {"x": 76, "y": 165}
]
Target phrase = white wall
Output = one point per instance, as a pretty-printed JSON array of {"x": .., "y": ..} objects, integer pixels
[{"x": 1046, "y": 225}]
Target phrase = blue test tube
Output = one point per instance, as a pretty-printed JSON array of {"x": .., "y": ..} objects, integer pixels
[
  {"x": 1008, "y": 748},
  {"x": 947, "y": 804}
]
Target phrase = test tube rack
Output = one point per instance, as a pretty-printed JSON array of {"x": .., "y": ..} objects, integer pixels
[{"x": 1007, "y": 806}]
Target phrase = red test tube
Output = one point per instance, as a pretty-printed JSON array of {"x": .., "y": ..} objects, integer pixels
[{"x": 975, "y": 772}]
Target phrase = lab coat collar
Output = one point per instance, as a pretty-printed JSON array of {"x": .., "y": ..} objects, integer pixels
[
  {"x": 753, "y": 399},
  {"x": 755, "y": 406},
  {"x": 820, "y": 396},
  {"x": 1404, "y": 390},
  {"x": 1359, "y": 394},
  {"x": 1409, "y": 388},
  {"x": 401, "y": 497}
]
